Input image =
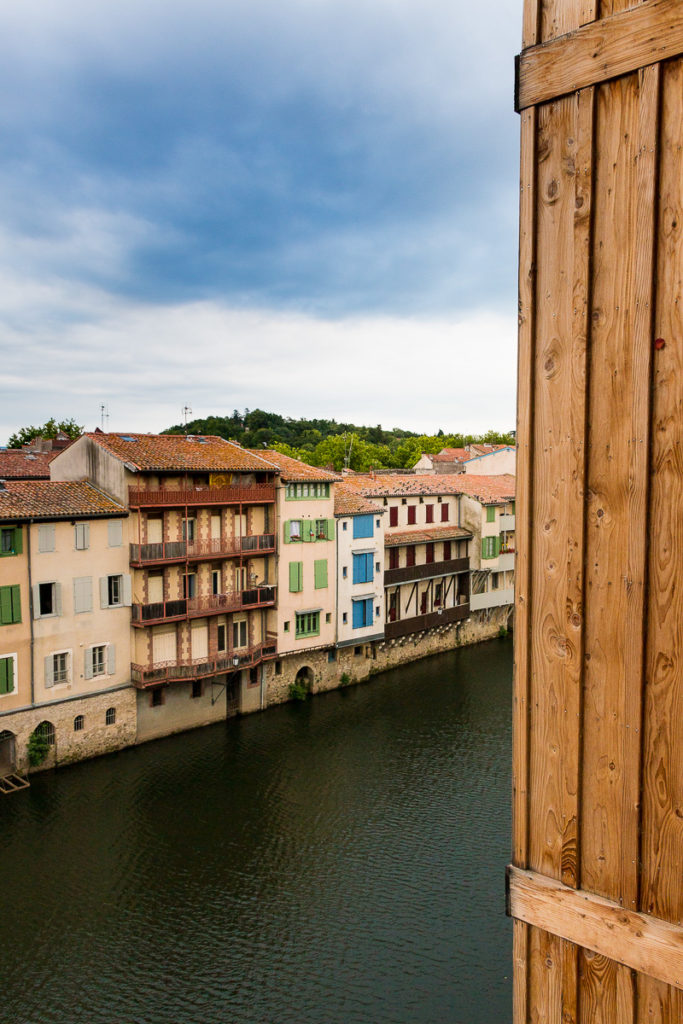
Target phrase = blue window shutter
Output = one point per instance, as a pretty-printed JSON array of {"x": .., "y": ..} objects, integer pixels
[
  {"x": 357, "y": 614},
  {"x": 363, "y": 526},
  {"x": 358, "y": 569},
  {"x": 368, "y": 612}
]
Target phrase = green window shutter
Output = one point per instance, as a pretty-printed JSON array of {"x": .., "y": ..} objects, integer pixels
[
  {"x": 295, "y": 576},
  {"x": 320, "y": 569},
  {"x": 307, "y": 530},
  {"x": 18, "y": 540},
  {"x": 490, "y": 513},
  {"x": 330, "y": 529},
  {"x": 5, "y": 605},
  {"x": 496, "y": 547},
  {"x": 16, "y": 603},
  {"x": 6, "y": 675},
  {"x": 286, "y": 531}
]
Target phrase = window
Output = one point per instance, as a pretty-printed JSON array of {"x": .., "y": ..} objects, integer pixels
[
  {"x": 345, "y": 572},
  {"x": 221, "y": 638},
  {"x": 110, "y": 716},
  {"x": 156, "y": 697},
  {"x": 376, "y": 566},
  {"x": 79, "y": 722},
  {"x": 320, "y": 573},
  {"x": 46, "y": 731},
  {"x": 393, "y": 558},
  {"x": 46, "y": 537},
  {"x": 8, "y": 673},
  {"x": 58, "y": 668},
  {"x": 47, "y": 599},
  {"x": 357, "y": 651},
  {"x": 377, "y": 522},
  {"x": 446, "y": 550},
  {"x": 345, "y": 618},
  {"x": 410, "y": 554},
  {"x": 10, "y": 541},
  {"x": 307, "y": 623},
  {"x": 331, "y": 655},
  {"x": 444, "y": 513},
  {"x": 196, "y": 689},
  {"x": 490, "y": 547},
  {"x": 115, "y": 591},
  {"x": 83, "y": 594},
  {"x": 430, "y": 553},
  {"x": 82, "y": 536},
  {"x": 438, "y": 594},
  {"x": 115, "y": 533},
  {"x": 189, "y": 529},
  {"x": 393, "y": 515},
  {"x": 10, "y": 605},
  {"x": 215, "y": 581},
  {"x": 344, "y": 525},
  {"x": 490, "y": 513},
  {"x": 286, "y": 627},
  {"x": 296, "y": 577},
  {"x": 278, "y": 668},
  {"x": 99, "y": 660},
  {"x": 328, "y": 617},
  {"x": 239, "y": 633},
  {"x": 363, "y": 526},
  {"x": 429, "y": 513},
  {"x": 190, "y": 584},
  {"x": 495, "y": 580},
  {"x": 321, "y": 529},
  {"x": 412, "y": 514},
  {"x": 362, "y": 613},
  {"x": 363, "y": 565},
  {"x": 292, "y": 531}
]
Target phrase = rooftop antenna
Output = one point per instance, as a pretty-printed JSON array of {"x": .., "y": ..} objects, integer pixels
[
  {"x": 187, "y": 411},
  {"x": 104, "y": 417}
]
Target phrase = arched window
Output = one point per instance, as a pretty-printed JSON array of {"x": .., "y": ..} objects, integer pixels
[
  {"x": 79, "y": 722},
  {"x": 110, "y": 716},
  {"x": 46, "y": 731}
]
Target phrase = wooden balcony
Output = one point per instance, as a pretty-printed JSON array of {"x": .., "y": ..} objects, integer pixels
[
  {"x": 144, "y": 676},
  {"x": 257, "y": 494},
  {"x": 198, "y": 607},
  {"x": 197, "y": 550},
  {"x": 426, "y": 570},
  {"x": 417, "y": 623}
]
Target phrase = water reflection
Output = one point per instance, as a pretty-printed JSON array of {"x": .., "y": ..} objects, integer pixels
[{"x": 335, "y": 862}]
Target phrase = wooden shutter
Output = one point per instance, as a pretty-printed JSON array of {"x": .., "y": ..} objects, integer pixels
[
  {"x": 307, "y": 530},
  {"x": 490, "y": 513},
  {"x": 104, "y": 592},
  {"x": 18, "y": 540},
  {"x": 285, "y": 531},
  {"x": 330, "y": 529},
  {"x": 6, "y": 675},
  {"x": 111, "y": 659},
  {"x": 127, "y": 590},
  {"x": 115, "y": 533},
  {"x": 35, "y": 594},
  {"x": 57, "y": 598},
  {"x": 83, "y": 594},
  {"x": 88, "y": 663},
  {"x": 49, "y": 670},
  {"x": 295, "y": 577},
  {"x": 5, "y": 605},
  {"x": 46, "y": 537},
  {"x": 393, "y": 515},
  {"x": 320, "y": 573}
]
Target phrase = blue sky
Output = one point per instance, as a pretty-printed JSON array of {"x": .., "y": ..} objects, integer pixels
[{"x": 308, "y": 207}]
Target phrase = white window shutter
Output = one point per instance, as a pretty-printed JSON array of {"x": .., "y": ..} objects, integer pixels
[
  {"x": 127, "y": 590},
  {"x": 115, "y": 532},
  {"x": 83, "y": 594},
  {"x": 111, "y": 659},
  {"x": 46, "y": 537},
  {"x": 58, "y": 598},
  {"x": 104, "y": 591},
  {"x": 49, "y": 671},
  {"x": 36, "y": 600},
  {"x": 87, "y": 670}
]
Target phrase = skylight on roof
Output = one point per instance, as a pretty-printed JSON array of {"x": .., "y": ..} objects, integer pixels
[{"x": 126, "y": 437}]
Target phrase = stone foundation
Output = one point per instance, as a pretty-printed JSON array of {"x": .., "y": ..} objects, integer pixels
[
  {"x": 357, "y": 663},
  {"x": 95, "y": 738}
]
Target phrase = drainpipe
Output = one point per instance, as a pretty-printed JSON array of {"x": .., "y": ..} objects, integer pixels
[{"x": 30, "y": 610}]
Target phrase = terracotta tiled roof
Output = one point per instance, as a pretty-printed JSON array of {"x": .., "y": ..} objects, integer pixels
[
  {"x": 16, "y": 464},
  {"x": 451, "y": 455},
  {"x": 291, "y": 469},
  {"x": 350, "y": 503},
  {"x": 392, "y": 538},
  {"x": 487, "y": 489},
  {"x": 487, "y": 449},
  {"x": 169, "y": 452},
  {"x": 54, "y": 499}
]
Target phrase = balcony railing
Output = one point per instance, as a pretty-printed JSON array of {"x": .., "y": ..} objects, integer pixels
[
  {"x": 203, "y": 668},
  {"x": 426, "y": 570},
  {"x": 159, "y": 611},
  {"x": 417, "y": 623},
  {"x": 208, "y": 604},
  {"x": 255, "y": 495},
  {"x": 180, "y": 550}
]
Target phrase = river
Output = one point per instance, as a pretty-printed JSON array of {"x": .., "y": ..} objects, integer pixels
[{"x": 339, "y": 861}]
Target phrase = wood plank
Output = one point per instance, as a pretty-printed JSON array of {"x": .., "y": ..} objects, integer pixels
[
  {"x": 551, "y": 647},
  {"x": 594, "y": 53},
  {"x": 520, "y": 976},
  {"x": 531, "y": 23},
  {"x": 607, "y": 994},
  {"x": 527, "y": 289},
  {"x": 616, "y": 515},
  {"x": 662, "y": 834},
  {"x": 658, "y": 1003},
  {"x": 558, "y": 17},
  {"x": 545, "y": 978},
  {"x": 639, "y": 941}
]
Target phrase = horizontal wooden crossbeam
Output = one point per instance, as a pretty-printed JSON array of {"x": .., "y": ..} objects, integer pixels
[
  {"x": 601, "y": 50},
  {"x": 639, "y": 941}
]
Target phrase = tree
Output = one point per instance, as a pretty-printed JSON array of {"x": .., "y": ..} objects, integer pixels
[{"x": 49, "y": 429}]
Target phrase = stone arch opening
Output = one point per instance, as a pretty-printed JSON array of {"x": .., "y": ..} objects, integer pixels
[
  {"x": 304, "y": 678},
  {"x": 7, "y": 752}
]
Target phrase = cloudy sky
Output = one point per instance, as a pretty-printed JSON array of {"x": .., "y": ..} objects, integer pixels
[{"x": 306, "y": 206}]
